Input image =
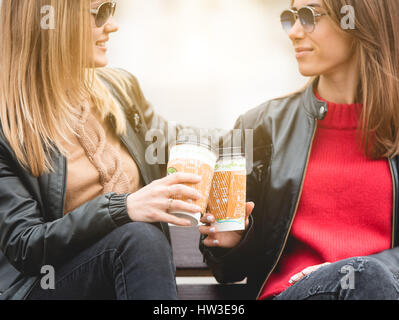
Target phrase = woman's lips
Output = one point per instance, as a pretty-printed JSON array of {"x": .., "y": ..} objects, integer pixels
[
  {"x": 102, "y": 45},
  {"x": 302, "y": 52}
]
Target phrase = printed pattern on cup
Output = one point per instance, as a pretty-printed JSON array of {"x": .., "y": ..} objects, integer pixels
[
  {"x": 228, "y": 195},
  {"x": 198, "y": 160},
  {"x": 199, "y": 168}
]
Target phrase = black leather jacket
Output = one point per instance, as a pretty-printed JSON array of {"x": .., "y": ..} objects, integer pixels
[
  {"x": 33, "y": 229},
  {"x": 284, "y": 130}
]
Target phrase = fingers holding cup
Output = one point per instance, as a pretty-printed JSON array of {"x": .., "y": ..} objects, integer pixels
[{"x": 212, "y": 235}]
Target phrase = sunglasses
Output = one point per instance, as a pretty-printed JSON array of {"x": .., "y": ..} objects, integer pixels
[
  {"x": 103, "y": 13},
  {"x": 307, "y": 16}
]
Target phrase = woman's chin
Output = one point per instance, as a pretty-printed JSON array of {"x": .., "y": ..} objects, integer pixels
[
  {"x": 100, "y": 62},
  {"x": 307, "y": 71}
]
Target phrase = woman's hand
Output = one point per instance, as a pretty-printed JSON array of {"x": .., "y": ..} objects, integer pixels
[
  {"x": 153, "y": 202},
  {"x": 223, "y": 239}
]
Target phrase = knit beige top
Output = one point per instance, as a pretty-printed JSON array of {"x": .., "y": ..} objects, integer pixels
[{"x": 98, "y": 162}]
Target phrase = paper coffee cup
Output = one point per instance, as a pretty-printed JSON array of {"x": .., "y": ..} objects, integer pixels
[
  {"x": 191, "y": 157},
  {"x": 228, "y": 193}
]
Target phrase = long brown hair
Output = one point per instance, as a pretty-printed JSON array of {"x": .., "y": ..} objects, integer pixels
[
  {"x": 45, "y": 75},
  {"x": 376, "y": 40}
]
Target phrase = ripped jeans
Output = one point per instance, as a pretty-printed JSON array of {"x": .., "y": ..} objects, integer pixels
[{"x": 360, "y": 278}]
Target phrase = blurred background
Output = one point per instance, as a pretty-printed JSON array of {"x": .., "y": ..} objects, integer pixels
[{"x": 205, "y": 62}]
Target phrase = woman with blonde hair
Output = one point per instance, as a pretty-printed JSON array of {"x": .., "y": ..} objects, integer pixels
[{"x": 76, "y": 192}]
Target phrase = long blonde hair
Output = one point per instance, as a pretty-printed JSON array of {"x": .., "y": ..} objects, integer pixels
[{"x": 45, "y": 74}]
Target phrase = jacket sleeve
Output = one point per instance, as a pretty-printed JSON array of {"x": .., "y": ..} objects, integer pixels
[
  {"x": 231, "y": 265},
  {"x": 29, "y": 241}
]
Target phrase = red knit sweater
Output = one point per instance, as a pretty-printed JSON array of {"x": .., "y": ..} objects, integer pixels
[{"x": 346, "y": 205}]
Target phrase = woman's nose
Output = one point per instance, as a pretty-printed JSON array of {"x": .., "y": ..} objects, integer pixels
[
  {"x": 111, "y": 26},
  {"x": 297, "y": 31}
]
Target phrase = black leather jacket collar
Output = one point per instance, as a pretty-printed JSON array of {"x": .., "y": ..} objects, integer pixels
[{"x": 315, "y": 108}]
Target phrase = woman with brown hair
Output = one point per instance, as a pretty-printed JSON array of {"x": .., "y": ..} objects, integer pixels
[
  {"x": 325, "y": 176},
  {"x": 76, "y": 192}
]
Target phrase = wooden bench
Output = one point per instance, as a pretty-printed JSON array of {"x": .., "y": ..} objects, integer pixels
[{"x": 194, "y": 279}]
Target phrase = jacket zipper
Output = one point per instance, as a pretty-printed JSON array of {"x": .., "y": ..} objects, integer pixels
[
  {"x": 293, "y": 218},
  {"x": 393, "y": 241}
]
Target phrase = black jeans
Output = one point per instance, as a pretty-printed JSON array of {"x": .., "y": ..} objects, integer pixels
[
  {"x": 359, "y": 278},
  {"x": 134, "y": 262}
]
